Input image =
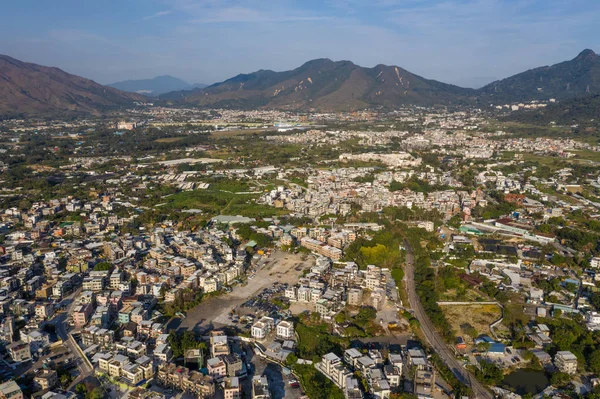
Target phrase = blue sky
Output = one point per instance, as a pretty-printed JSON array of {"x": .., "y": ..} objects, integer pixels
[{"x": 465, "y": 42}]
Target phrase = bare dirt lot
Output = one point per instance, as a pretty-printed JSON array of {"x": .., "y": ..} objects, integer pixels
[
  {"x": 280, "y": 267},
  {"x": 478, "y": 316}
]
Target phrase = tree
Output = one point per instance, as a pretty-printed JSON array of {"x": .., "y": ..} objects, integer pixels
[
  {"x": 340, "y": 318},
  {"x": 96, "y": 393},
  {"x": 291, "y": 359},
  {"x": 102, "y": 266},
  {"x": 454, "y": 221},
  {"x": 594, "y": 361},
  {"x": 560, "y": 379},
  {"x": 65, "y": 380},
  {"x": 484, "y": 346},
  {"x": 81, "y": 389}
]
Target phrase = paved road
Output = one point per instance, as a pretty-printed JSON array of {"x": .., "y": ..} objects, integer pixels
[
  {"x": 60, "y": 324},
  {"x": 434, "y": 339}
]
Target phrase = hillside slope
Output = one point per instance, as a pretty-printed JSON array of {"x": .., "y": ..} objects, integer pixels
[
  {"x": 568, "y": 79},
  {"x": 30, "y": 89}
]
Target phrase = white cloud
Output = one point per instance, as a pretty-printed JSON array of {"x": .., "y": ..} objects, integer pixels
[{"x": 156, "y": 15}]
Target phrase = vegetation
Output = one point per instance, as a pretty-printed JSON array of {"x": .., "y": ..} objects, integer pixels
[
  {"x": 82, "y": 390},
  {"x": 494, "y": 210},
  {"x": 247, "y": 233},
  {"x": 182, "y": 342},
  {"x": 416, "y": 185},
  {"x": 315, "y": 384},
  {"x": 575, "y": 111},
  {"x": 315, "y": 338},
  {"x": 425, "y": 280},
  {"x": 488, "y": 373},
  {"x": 102, "y": 266},
  {"x": 184, "y": 300}
]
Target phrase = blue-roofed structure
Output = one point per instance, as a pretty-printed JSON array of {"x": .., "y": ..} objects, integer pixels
[{"x": 496, "y": 348}]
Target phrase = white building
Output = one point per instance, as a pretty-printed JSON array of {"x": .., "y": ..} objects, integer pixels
[
  {"x": 263, "y": 327},
  {"x": 332, "y": 366},
  {"x": 285, "y": 330}
]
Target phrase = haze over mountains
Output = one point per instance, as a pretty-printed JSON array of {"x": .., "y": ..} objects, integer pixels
[
  {"x": 155, "y": 86},
  {"x": 322, "y": 84}
]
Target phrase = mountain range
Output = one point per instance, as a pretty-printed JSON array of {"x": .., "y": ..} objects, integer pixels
[
  {"x": 31, "y": 89},
  {"x": 322, "y": 84},
  {"x": 156, "y": 86},
  {"x": 327, "y": 85}
]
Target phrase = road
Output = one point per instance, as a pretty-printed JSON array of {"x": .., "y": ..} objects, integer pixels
[
  {"x": 433, "y": 338},
  {"x": 60, "y": 325}
]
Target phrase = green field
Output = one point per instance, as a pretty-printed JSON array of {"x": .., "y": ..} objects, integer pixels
[{"x": 223, "y": 198}]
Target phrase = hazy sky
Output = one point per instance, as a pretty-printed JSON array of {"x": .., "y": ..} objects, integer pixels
[{"x": 465, "y": 42}]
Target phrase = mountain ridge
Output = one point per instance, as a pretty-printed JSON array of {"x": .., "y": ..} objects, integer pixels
[
  {"x": 32, "y": 89},
  {"x": 343, "y": 85},
  {"x": 325, "y": 84},
  {"x": 319, "y": 84},
  {"x": 564, "y": 80}
]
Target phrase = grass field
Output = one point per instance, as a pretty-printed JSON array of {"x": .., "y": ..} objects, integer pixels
[
  {"x": 477, "y": 316},
  {"x": 223, "y": 198}
]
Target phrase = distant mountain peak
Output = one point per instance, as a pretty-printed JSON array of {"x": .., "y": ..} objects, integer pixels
[
  {"x": 587, "y": 54},
  {"x": 317, "y": 62}
]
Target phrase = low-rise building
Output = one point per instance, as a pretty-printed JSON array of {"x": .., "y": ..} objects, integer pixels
[
  {"x": 46, "y": 379},
  {"x": 262, "y": 328},
  {"x": 333, "y": 368},
  {"x": 232, "y": 388},
  {"x": 19, "y": 351},
  {"x": 181, "y": 378},
  {"x": 260, "y": 387},
  {"x": 217, "y": 368},
  {"x": 10, "y": 390},
  {"x": 285, "y": 330},
  {"x": 566, "y": 362}
]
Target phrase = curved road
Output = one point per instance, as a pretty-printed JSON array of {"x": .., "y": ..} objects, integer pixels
[{"x": 434, "y": 339}]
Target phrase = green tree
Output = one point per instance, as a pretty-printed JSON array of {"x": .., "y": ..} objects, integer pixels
[
  {"x": 560, "y": 379},
  {"x": 102, "y": 266},
  {"x": 594, "y": 361},
  {"x": 96, "y": 393},
  {"x": 81, "y": 389}
]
